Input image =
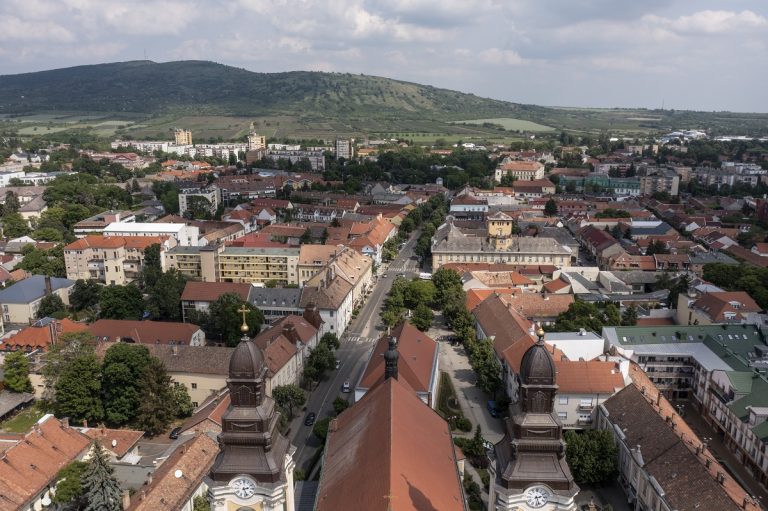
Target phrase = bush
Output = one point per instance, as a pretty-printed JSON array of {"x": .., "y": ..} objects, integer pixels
[{"x": 463, "y": 424}]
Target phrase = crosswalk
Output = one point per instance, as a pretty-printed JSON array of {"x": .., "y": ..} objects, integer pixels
[{"x": 357, "y": 339}]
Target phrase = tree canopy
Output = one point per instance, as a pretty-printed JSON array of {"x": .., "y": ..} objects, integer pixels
[
  {"x": 16, "y": 372},
  {"x": 591, "y": 455}
]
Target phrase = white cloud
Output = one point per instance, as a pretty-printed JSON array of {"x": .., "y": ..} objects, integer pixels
[
  {"x": 138, "y": 17},
  {"x": 716, "y": 22},
  {"x": 15, "y": 29},
  {"x": 499, "y": 57}
]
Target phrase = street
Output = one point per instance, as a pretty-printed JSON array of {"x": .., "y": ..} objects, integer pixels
[{"x": 356, "y": 344}]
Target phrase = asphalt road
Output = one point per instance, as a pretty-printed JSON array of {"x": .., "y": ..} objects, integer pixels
[{"x": 356, "y": 345}]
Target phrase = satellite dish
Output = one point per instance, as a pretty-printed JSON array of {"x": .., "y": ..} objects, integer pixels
[
  {"x": 178, "y": 474},
  {"x": 114, "y": 443}
]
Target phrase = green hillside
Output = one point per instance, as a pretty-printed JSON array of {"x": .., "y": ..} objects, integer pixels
[{"x": 147, "y": 99}]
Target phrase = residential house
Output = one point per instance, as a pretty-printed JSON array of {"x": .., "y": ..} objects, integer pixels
[
  {"x": 185, "y": 235},
  {"x": 97, "y": 223},
  {"x": 417, "y": 363},
  {"x": 115, "y": 260},
  {"x": 582, "y": 386},
  {"x": 372, "y": 241},
  {"x": 521, "y": 170},
  {"x": 30, "y": 467},
  {"x": 658, "y": 470},
  {"x": 715, "y": 307},
  {"x": 351, "y": 266},
  {"x": 20, "y": 301},
  {"x": 313, "y": 258},
  {"x": 286, "y": 344},
  {"x": 147, "y": 332},
  {"x": 540, "y": 308},
  {"x": 277, "y": 302},
  {"x": 40, "y": 335}
]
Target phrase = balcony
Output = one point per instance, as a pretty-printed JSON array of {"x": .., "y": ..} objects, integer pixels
[{"x": 584, "y": 407}]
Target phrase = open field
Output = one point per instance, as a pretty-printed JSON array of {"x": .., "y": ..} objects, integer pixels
[{"x": 509, "y": 123}]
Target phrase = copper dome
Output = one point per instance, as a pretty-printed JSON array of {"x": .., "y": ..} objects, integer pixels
[
  {"x": 537, "y": 366},
  {"x": 247, "y": 362}
]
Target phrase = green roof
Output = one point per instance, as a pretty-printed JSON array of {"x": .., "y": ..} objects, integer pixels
[
  {"x": 741, "y": 381},
  {"x": 727, "y": 334}
]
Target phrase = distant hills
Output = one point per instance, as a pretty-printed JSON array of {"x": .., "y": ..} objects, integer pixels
[
  {"x": 314, "y": 103},
  {"x": 216, "y": 89}
]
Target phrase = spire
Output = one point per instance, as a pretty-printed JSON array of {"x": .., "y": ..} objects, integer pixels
[
  {"x": 390, "y": 359},
  {"x": 540, "y": 334},
  {"x": 244, "y": 327}
]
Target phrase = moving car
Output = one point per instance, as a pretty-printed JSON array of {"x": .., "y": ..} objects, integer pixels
[
  {"x": 338, "y": 364},
  {"x": 175, "y": 433},
  {"x": 345, "y": 387},
  {"x": 310, "y": 419},
  {"x": 493, "y": 409}
]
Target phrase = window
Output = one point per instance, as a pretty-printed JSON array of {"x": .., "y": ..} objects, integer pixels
[
  {"x": 194, "y": 404},
  {"x": 562, "y": 415},
  {"x": 194, "y": 385},
  {"x": 563, "y": 400}
]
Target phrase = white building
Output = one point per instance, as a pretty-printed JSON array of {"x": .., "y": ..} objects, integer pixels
[
  {"x": 344, "y": 148},
  {"x": 185, "y": 235}
]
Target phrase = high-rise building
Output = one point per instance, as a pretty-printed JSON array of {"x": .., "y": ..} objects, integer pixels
[
  {"x": 344, "y": 148},
  {"x": 182, "y": 136},
  {"x": 256, "y": 141}
]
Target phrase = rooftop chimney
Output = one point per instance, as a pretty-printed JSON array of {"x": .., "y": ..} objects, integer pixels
[
  {"x": 48, "y": 285},
  {"x": 290, "y": 333},
  {"x": 312, "y": 315}
]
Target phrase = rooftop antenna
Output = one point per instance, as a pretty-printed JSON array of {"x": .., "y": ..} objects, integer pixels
[{"x": 145, "y": 54}]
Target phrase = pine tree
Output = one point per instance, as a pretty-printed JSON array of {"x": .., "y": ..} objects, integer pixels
[
  {"x": 99, "y": 484},
  {"x": 157, "y": 407},
  {"x": 16, "y": 369}
]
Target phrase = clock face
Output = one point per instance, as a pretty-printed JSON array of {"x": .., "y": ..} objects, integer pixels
[
  {"x": 244, "y": 488},
  {"x": 537, "y": 496}
]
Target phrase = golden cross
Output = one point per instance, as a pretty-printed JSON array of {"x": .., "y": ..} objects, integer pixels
[{"x": 244, "y": 310}]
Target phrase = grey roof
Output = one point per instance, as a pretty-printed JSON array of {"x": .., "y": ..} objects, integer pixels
[
  {"x": 636, "y": 276},
  {"x": 653, "y": 296},
  {"x": 588, "y": 284},
  {"x": 9, "y": 401},
  {"x": 662, "y": 228},
  {"x": 32, "y": 288},
  {"x": 713, "y": 257},
  {"x": 275, "y": 297}
]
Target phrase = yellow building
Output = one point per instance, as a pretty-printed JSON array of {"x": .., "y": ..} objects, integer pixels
[
  {"x": 182, "y": 136},
  {"x": 256, "y": 142}
]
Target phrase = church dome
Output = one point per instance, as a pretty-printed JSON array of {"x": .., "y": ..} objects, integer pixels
[
  {"x": 537, "y": 366},
  {"x": 247, "y": 362}
]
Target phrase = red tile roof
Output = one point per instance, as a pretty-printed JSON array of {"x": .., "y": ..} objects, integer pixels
[
  {"x": 128, "y": 242},
  {"x": 717, "y": 304},
  {"x": 210, "y": 291},
  {"x": 143, "y": 332},
  {"x": 40, "y": 337},
  {"x": 124, "y": 439},
  {"x": 588, "y": 377},
  {"x": 390, "y": 451}
]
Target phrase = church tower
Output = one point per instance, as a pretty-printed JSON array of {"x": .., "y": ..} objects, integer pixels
[
  {"x": 254, "y": 468},
  {"x": 529, "y": 471},
  {"x": 500, "y": 227}
]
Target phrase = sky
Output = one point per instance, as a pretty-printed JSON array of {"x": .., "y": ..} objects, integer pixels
[{"x": 681, "y": 54}]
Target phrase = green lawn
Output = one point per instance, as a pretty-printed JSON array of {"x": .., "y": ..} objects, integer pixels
[
  {"x": 23, "y": 421},
  {"x": 509, "y": 123},
  {"x": 447, "y": 396}
]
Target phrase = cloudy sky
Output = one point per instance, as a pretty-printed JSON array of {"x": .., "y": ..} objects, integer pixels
[{"x": 695, "y": 54}]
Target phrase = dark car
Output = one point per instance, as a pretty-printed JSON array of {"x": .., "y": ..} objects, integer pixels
[
  {"x": 174, "y": 433},
  {"x": 493, "y": 409},
  {"x": 310, "y": 419}
]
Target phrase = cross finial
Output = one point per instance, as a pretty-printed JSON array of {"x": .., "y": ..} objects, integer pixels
[{"x": 244, "y": 327}]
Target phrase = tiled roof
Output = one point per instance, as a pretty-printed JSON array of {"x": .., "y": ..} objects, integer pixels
[
  {"x": 194, "y": 459},
  {"x": 715, "y": 305},
  {"x": 128, "y": 242},
  {"x": 390, "y": 450},
  {"x": 686, "y": 483},
  {"x": 502, "y": 279},
  {"x": 503, "y": 323},
  {"x": 553, "y": 286},
  {"x": 589, "y": 377},
  {"x": 143, "y": 332},
  {"x": 303, "y": 328},
  {"x": 31, "y": 465},
  {"x": 476, "y": 296},
  {"x": 416, "y": 363},
  {"x": 210, "y": 291},
  {"x": 534, "y": 305},
  {"x": 311, "y": 254},
  {"x": 212, "y": 410},
  {"x": 278, "y": 351},
  {"x": 118, "y": 441},
  {"x": 39, "y": 335}
]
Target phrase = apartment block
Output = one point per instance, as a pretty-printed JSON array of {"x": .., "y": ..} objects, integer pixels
[
  {"x": 113, "y": 260},
  {"x": 182, "y": 137},
  {"x": 211, "y": 197}
]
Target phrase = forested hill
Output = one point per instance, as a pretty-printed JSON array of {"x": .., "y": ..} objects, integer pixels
[{"x": 215, "y": 89}]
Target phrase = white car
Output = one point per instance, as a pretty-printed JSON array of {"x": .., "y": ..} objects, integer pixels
[{"x": 345, "y": 387}]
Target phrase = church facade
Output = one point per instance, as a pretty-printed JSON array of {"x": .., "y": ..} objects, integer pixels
[{"x": 528, "y": 470}]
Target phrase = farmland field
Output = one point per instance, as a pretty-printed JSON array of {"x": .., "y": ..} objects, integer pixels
[{"x": 509, "y": 123}]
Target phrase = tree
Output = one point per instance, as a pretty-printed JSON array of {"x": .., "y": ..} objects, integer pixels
[
  {"x": 11, "y": 204},
  {"x": 419, "y": 292},
  {"x": 587, "y": 315},
  {"x": 152, "y": 268},
  {"x": 447, "y": 282},
  {"x": 16, "y": 368},
  {"x": 181, "y": 402},
  {"x": 486, "y": 366},
  {"x": 225, "y": 319},
  {"x": 629, "y": 316},
  {"x": 422, "y": 317},
  {"x": 157, "y": 408},
  {"x": 102, "y": 493},
  {"x": 121, "y": 381},
  {"x": 340, "y": 404},
  {"x": 550, "y": 208},
  {"x": 200, "y": 503},
  {"x": 306, "y": 237},
  {"x": 321, "y": 359},
  {"x": 288, "y": 397},
  {"x": 331, "y": 340},
  {"x": 591, "y": 455},
  {"x": 78, "y": 390},
  {"x": 85, "y": 294},
  {"x": 69, "y": 486},
  {"x": 51, "y": 306},
  {"x": 67, "y": 348},
  {"x": 121, "y": 302},
  {"x": 164, "y": 297},
  {"x": 43, "y": 262},
  {"x": 656, "y": 247},
  {"x": 320, "y": 429},
  {"x": 14, "y": 225}
]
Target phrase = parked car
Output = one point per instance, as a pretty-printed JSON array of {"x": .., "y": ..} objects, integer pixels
[
  {"x": 345, "y": 387},
  {"x": 175, "y": 433},
  {"x": 310, "y": 419},
  {"x": 493, "y": 409},
  {"x": 338, "y": 364}
]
